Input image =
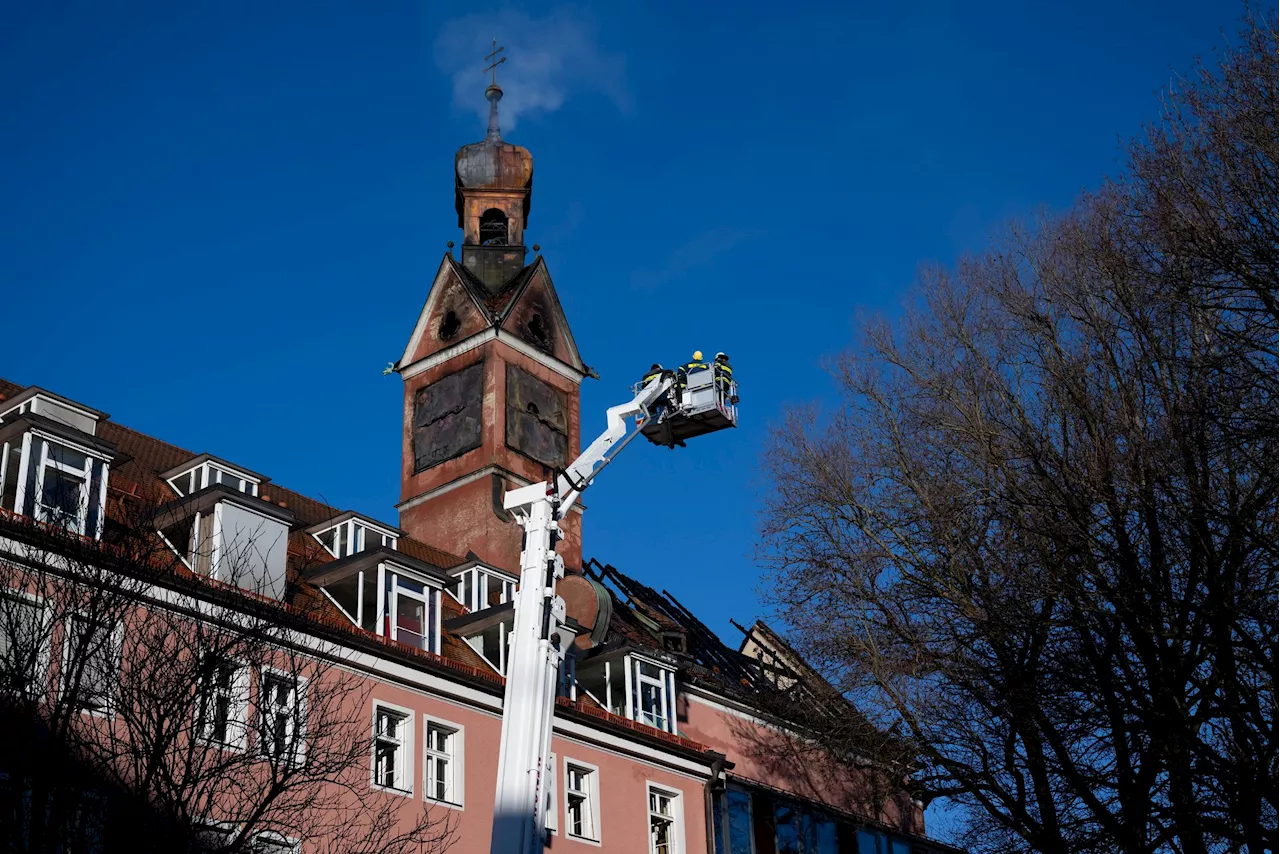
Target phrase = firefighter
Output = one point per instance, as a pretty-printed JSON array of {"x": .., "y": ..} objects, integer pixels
[
  {"x": 661, "y": 404},
  {"x": 682, "y": 374},
  {"x": 695, "y": 364},
  {"x": 724, "y": 378}
]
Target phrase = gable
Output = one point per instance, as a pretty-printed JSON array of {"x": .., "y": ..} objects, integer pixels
[
  {"x": 536, "y": 317},
  {"x": 449, "y": 315}
]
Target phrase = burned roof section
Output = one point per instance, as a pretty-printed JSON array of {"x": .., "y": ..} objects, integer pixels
[{"x": 764, "y": 671}]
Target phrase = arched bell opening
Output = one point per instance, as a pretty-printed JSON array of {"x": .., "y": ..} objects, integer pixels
[{"x": 493, "y": 228}]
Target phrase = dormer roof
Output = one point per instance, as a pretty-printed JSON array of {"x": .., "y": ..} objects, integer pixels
[{"x": 201, "y": 459}]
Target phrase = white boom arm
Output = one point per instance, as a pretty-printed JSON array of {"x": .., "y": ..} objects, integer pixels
[{"x": 538, "y": 638}]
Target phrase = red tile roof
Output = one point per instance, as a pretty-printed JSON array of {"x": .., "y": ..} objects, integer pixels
[{"x": 135, "y": 482}]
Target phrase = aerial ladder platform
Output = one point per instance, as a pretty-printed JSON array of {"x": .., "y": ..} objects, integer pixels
[{"x": 668, "y": 409}]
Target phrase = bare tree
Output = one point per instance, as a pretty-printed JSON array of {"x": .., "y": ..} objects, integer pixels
[
  {"x": 1037, "y": 540},
  {"x": 152, "y": 708}
]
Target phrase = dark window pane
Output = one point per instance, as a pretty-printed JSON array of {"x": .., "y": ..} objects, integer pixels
[
  {"x": 410, "y": 618},
  {"x": 345, "y": 592},
  {"x": 739, "y": 813},
  {"x": 787, "y": 828},
  {"x": 369, "y": 617},
  {"x": 869, "y": 842},
  {"x": 61, "y": 495}
]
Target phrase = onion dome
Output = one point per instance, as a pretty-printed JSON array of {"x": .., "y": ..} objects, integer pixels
[{"x": 493, "y": 164}]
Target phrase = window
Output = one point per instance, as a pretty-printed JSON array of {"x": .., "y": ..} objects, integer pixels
[
  {"x": 491, "y": 643},
  {"x": 351, "y": 537},
  {"x": 875, "y": 842},
  {"x": 414, "y": 607},
  {"x": 62, "y": 493},
  {"x": 651, "y": 682},
  {"x": 444, "y": 746},
  {"x": 641, "y": 689},
  {"x": 223, "y": 700},
  {"x": 392, "y": 748},
  {"x": 56, "y": 483},
  {"x": 90, "y": 663},
  {"x": 280, "y": 726},
  {"x": 664, "y": 821},
  {"x": 388, "y": 601},
  {"x": 207, "y": 474},
  {"x": 22, "y": 649},
  {"x": 738, "y": 820},
  {"x": 800, "y": 829},
  {"x": 57, "y": 479},
  {"x": 479, "y": 589},
  {"x": 581, "y": 805}
]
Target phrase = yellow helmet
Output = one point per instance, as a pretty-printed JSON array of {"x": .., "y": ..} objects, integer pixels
[{"x": 697, "y": 355}]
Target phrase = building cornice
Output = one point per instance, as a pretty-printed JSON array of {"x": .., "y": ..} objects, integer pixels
[
  {"x": 472, "y": 477},
  {"x": 479, "y": 339}
]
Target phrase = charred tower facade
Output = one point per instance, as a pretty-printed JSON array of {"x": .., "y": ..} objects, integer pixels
[{"x": 491, "y": 372}]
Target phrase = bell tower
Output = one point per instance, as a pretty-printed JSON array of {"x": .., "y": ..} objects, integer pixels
[{"x": 491, "y": 372}]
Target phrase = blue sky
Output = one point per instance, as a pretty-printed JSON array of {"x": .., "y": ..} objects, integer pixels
[{"x": 218, "y": 221}]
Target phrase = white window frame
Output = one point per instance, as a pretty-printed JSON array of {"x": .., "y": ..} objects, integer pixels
[
  {"x": 297, "y": 717},
  {"x": 208, "y": 473},
  {"x": 35, "y": 507},
  {"x": 351, "y": 536},
  {"x": 675, "y": 796},
  {"x": 108, "y": 710},
  {"x": 430, "y": 597},
  {"x": 591, "y": 797},
  {"x": 665, "y": 682},
  {"x": 39, "y": 679},
  {"x": 480, "y": 579},
  {"x": 455, "y": 787},
  {"x": 404, "y": 774},
  {"x": 238, "y": 716},
  {"x": 751, "y": 817}
]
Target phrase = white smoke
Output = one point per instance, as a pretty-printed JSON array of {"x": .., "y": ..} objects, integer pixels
[{"x": 549, "y": 60}]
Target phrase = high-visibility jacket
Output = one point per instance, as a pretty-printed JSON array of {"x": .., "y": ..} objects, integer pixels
[
  {"x": 651, "y": 374},
  {"x": 724, "y": 373},
  {"x": 694, "y": 366}
]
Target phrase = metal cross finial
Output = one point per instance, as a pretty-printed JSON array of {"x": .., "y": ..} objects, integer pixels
[{"x": 493, "y": 67}]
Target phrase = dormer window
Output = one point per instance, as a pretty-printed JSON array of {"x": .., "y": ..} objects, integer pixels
[
  {"x": 487, "y": 632},
  {"x": 352, "y": 533},
  {"x": 205, "y": 471},
  {"x": 53, "y": 407},
  {"x": 479, "y": 587},
  {"x": 62, "y": 487},
  {"x": 52, "y": 467},
  {"x": 635, "y": 685},
  {"x": 221, "y": 532},
  {"x": 387, "y": 594}
]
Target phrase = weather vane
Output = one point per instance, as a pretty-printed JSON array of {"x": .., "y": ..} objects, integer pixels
[{"x": 493, "y": 67}]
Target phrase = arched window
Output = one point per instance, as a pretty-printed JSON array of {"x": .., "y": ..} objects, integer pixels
[{"x": 493, "y": 228}]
